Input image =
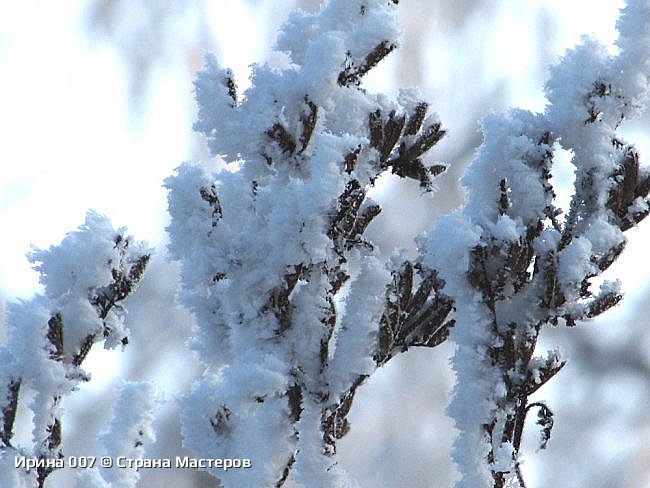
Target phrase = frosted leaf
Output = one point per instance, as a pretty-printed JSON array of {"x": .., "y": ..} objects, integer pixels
[
  {"x": 86, "y": 276},
  {"x": 357, "y": 334},
  {"x": 541, "y": 369},
  {"x": 514, "y": 152},
  {"x": 365, "y": 24},
  {"x": 216, "y": 93},
  {"x": 83, "y": 259},
  {"x": 447, "y": 249},
  {"x": 603, "y": 236},
  {"x": 504, "y": 229},
  {"x": 217, "y": 419},
  {"x": 639, "y": 206},
  {"x": 30, "y": 356},
  {"x": 314, "y": 469},
  {"x": 547, "y": 241},
  {"x": 610, "y": 286},
  {"x": 570, "y": 84}
]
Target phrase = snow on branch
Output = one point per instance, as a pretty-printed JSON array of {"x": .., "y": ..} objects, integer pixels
[
  {"x": 86, "y": 278},
  {"x": 519, "y": 262},
  {"x": 129, "y": 431},
  {"x": 294, "y": 307}
]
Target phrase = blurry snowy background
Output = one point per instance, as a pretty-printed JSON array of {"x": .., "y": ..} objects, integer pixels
[{"x": 96, "y": 108}]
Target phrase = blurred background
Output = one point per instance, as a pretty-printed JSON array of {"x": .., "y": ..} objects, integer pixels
[{"x": 96, "y": 109}]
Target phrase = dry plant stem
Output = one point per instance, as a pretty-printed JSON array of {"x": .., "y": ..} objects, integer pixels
[
  {"x": 495, "y": 269},
  {"x": 413, "y": 316},
  {"x": 125, "y": 279}
]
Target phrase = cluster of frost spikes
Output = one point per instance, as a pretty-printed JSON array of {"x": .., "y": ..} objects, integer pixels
[
  {"x": 85, "y": 279},
  {"x": 518, "y": 262},
  {"x": 294, "y": 307}
]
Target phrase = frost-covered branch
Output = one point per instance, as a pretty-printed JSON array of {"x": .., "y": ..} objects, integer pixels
[
  {"x": 295, "y": 309},
  {"x": 516, "y": 265},
  {"x": 295, "y": 305},
  {"x": 129, "y": 430},
  {"x": 86, "y": 278}
]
